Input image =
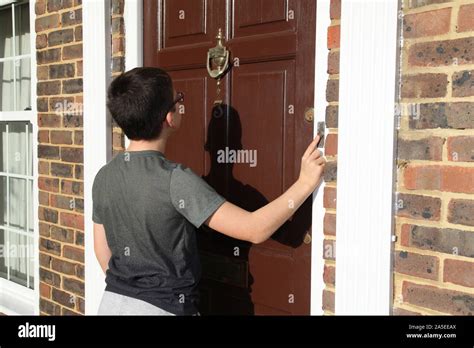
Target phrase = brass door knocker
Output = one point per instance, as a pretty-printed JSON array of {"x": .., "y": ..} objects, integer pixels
[{"x": 218, "y": 62}]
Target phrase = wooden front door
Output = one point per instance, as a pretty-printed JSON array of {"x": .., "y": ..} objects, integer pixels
[{"x": 261, "y": 120}]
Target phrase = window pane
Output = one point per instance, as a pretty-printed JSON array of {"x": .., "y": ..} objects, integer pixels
[
  {"x": 6, "y": 43},
  {"x": 3, "y": 144},
  {"x": 7, "y": 101},
  {"x": 31, "y": 260},
  {"x": 23, "y": 84},
  {"x": 18, "y": 148},
  {"x": 30, "y": 207},
  {"x": 18, "y": 258},
  {"x": 3, "y": 201},
  {"x": 3, "y": 254},
  {"x": 17, "y": 202},
  {"x": 22, "y": 29}
]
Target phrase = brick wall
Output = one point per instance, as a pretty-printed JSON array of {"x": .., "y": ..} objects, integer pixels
[
  {"x": 434, "y": 254},
  {"x": 60, "y": 153},
  {"x": 332, "y": 97},
  {"x": 118, "y": 63}
]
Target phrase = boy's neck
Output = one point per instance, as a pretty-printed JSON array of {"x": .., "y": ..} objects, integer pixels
[{"x": 145, "y": 145}]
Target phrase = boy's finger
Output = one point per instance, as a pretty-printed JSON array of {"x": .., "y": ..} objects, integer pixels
[
  {"x": 315, "y": 155},
  {"x": 312, "y": 146}
]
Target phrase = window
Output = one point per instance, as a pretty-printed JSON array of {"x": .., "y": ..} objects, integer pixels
[{"x": 17, "y": 160}]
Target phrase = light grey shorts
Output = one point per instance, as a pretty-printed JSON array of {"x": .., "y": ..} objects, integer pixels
[{"x": 116, "y": 304}]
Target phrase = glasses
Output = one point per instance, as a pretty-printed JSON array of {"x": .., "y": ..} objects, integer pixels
[{"x": 179, "y": 99}]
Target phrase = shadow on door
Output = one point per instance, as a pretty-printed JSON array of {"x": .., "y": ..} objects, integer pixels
[{"x": 226, "y": 288}]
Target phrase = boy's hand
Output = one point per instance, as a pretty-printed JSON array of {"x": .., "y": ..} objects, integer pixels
[{"x": 312, "y": 166}]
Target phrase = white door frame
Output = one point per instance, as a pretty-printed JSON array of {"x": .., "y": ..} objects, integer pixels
[
  {"x": 367, "y": 95},
  {"x": 97, "y": 129}
]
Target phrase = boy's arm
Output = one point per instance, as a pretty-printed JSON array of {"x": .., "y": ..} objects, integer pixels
[
  {"x": 258, "y": 226},
  {"x": 101, "y": 248}
]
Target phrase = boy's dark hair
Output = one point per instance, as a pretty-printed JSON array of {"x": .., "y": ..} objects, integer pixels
[{"x": 139, "y": 101}]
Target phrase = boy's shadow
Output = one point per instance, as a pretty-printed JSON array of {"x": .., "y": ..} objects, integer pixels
[{"x": 226, "y": 284}]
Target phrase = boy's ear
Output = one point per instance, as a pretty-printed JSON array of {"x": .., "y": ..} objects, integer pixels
[{"x": 169, "y": 120}]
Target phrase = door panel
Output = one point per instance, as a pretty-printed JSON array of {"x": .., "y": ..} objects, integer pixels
[
  {"x": 263, "y": 92},
  {"x": 264, "y": 95},
  {"x": 192, "y": 133},
  {"x": 186, "y": 22},
  {"x": 254, "y": 17}
]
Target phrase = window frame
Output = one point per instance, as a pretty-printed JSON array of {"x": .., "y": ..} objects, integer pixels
[{"x": 15, "y": 298}]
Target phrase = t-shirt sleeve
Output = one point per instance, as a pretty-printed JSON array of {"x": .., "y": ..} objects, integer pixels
[
  {"x": 96, "y": 194},
  {"x": 192, "y": 196}
]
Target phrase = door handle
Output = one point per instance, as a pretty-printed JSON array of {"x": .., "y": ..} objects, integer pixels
[{"x": 218, "y": 57}]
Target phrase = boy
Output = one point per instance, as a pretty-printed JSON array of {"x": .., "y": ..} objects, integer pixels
[{"x": 146, "y": 208}]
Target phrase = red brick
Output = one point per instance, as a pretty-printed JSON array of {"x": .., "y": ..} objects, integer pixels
[
  {"x": 441, "y": 300},
  {"x": 461, "y": 149},
  {"x": 73, "y": 253},
  {"x": 461, "y": 211},
  {"x": 329, "y": 300},
  {"x": 329, "y": 249},
  {"x": 48, "y": 88},
  {"x": 420, "y": 3},
  {"x": 72, "y": 220},
  {"x": 49, "y": 121},
  {"x": 329, "y": 275},
  {"x": 459, "y": 272},
  {"x": 429, "y": 23},
  {"x": 332, "y": 90},
  {"x": 63, "y": 267},
  {"x": 43, "y": 198},
  {"x": 40, "y": 7},
  {"x": 330, "y": 224},
  {"x": 72, "y": 52},
  {"x": 43, "y": 168},
  {"x": 444, "y": 240},
  {"x": 48, "y": 215},
  {"x": 330, "y": 196},
  {"x": 44, "y": 229},
  {"x": 48, "y": 152},
  {"x": 70, "y": 154},
  {"x": 463, "y": 83},
  {"x": 334, "y": 36},
  {"x": 61, "y": 137},
  {"x": 47, "y": 22},
  {"x": 45, "y": 290},
  {"x": 430, "y": 148},
  {"x": 442, "y": 53},
  {"x": 48, "y": 184},
  {"x": 416, "y": 265},
  {"x": 418, "y": 206},
  {"x": 50, "y": 246},
  {"x": 403, "y": 312},
  {"x": 43, "y": 136},
  {"x": 335, "y": 9},
  {"x": 424, "y": 86},
  {"x": 62, "y": 234},
  {"x": 74, "y": 286},
  {"x": 62, "y": 202},
  {"x": 441, "y": 178},
  {"x": 333, "y": 62},
  {"x": 69, "y": 187},
  {"x": 48, "y": 56},
  {"x": 41, "y": 41},
  {"x": 63, "y": 298},
  {"x": 466, "y": 18},
  {"x": 331, "y": 145}
]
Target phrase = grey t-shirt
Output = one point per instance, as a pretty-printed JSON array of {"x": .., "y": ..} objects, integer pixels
[{"x": 150, "y": 208}]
